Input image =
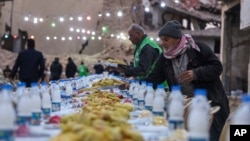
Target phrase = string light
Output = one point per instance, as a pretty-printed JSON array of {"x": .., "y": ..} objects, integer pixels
[
  {"x": 41, "y": 20},
  {"x": 108, "y": 14},
  {"x": 88, "y": 18},
  {"x": 79, "y": 18},
  {"x": 53, "y": 24},
  {"x": 26, "y": 18},
  {"x": 61, "y": 19},
  {"x": 119, "y": 14},
  {"x": 71, "y": 18}
]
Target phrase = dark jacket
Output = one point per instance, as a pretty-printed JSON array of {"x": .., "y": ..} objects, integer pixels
[
  {"x": 30, "y": 64},
  {"x": 207, "y": 68},
  {"x": 98, "y": 68},
  {"x": 56, "y": 70},
  {"x": 71, "y": 69},
  {"x": 147, "y": 56}
]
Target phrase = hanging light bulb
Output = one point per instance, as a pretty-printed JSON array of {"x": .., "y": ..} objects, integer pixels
[
  {"x": 119, "y": 13},
  {"x": 71, "y": 29},
  {"x": 79, "y": 18},
  {"x": 41, "y": 20},
  {"x": 108, "y": 14},
  {"x": 147, "y": 9},
  {"x": 26, "y": 18},
  {"x": 163, "y": 4},
  {"x": 71, "y": 18},
  {"x": 61, "y": 19},
  {"x": 35, "y": 20},
  {"x": 88, "y": 18}
]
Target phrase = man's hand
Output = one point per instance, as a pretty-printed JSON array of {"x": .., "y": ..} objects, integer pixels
[{"x": 187, "y": 76}]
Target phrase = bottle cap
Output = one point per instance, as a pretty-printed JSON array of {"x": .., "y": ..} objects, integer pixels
[
  {"x": 176, "y": 88},
  {"x": 200, "y": 92},
  {"x": 150, "y": 84},
  {"x": 44, "y": 83},
  {"x": 21, "y": 84},
  {"x": 160, "y": 86},
  {"x": 245, "y": 98},
  {"x": 6, "y": 87},
  {"x": 34, "y": 84}
]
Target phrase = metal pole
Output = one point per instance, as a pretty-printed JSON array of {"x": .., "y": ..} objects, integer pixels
[{"x": 11, "y": 16}]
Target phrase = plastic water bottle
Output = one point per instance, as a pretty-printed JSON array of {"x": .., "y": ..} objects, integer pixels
[
  {"x": 46, "y": 101},
  {"x": 24, "y": 109},
  {"x": 242, "y": 114},
  {"x": 198, "y": 120},
  {"x": 135, "y": 94},
  {"x": 149, "y": 97},
  {"x": 158, "y": 102},
  {"x": 56, "y": 97},
  {"x": 176, "y": 109},
  {"x": 7, "y": 112},
  {"x": 141, "y": 96},
  {"x": 36, "y": 104},
  {"x": 131, "y": 89}
]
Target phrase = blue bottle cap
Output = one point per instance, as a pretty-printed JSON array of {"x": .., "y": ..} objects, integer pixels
[
  {"x": 150, "y": 84},
  {"x": 34, "y": 84},
  {"x": 160, "y": 86},
  {"x": 200, "y": 92},
  {"x": 176, "y": 88},
  {"x": 6, "y": 87},
  {"x": 44, "y": 83},
  {"x": 21, "y": 84},
  {"x": 245, "y": 98}
]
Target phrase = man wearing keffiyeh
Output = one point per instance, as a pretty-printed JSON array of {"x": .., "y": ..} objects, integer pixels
[{"x": 191, "y": 65}]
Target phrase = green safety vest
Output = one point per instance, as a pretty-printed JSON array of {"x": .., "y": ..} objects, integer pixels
[
  {"x": 138, "y": 52},
  {"x": 82, "y": 70}
]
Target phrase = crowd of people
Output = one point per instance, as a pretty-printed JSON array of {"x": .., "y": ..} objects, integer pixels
[{"x": 179, "y": 61}]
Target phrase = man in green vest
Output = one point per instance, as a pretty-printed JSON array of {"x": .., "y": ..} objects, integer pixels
[{"x": 145, "y": 55}]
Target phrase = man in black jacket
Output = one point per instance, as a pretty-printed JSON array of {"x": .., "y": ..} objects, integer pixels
[
  {"x": 191, "y": 65},
  {"x": 30, "y": 64}
]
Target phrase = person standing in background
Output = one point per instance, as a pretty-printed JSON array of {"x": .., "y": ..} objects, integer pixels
[
  {"x": 7, "y": 71},
  {"x": 30, "y": 64},
  {"x": 55, "y": 69},
  {"x": 83, "y": 70},
  {"x": 98, "y": 67},
  {"x": 71, "y": 68}
]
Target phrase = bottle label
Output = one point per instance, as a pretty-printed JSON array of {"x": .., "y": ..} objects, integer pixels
[
  {"x": 141, "y": 102},
  {"x": 66, "y": 97},
  {"x": 36, "y": 118},
  {"x": 22, "y": 120},
  {"x": 56, "y": 106},
  {"x": 6, "y": 135},
  {"x": 135, "y": 101},
  {"x": 176, "y": 124},
  {"x": 46, "y": 113},
  {"x": 130, "y": 95},
  {"x": 158, "y": 113},
  {"x": 150, "y": 108},
  {"x": 197, "y": 139}
]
